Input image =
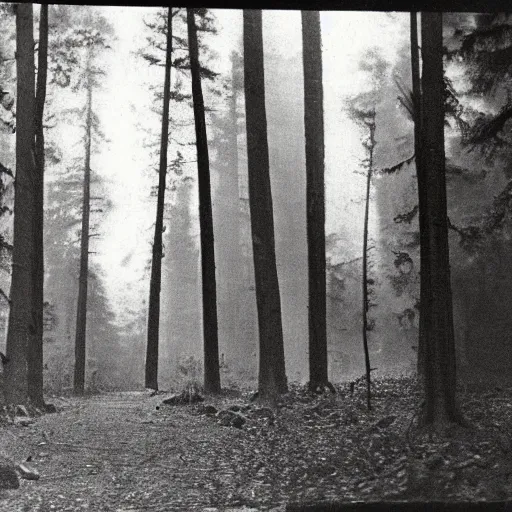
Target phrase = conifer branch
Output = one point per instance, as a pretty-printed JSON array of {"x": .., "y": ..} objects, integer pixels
[
  {"x": 395, "y": 168},
  {"x": 406, "y": 217}
]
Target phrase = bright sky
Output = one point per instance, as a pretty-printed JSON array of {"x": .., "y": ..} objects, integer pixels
[{"x": 125, "y": 103}]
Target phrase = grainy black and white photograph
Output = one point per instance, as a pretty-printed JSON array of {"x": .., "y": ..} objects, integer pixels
[{"x": 255, "y": 259}]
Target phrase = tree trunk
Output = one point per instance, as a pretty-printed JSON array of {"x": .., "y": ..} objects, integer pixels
[
  {"x": 235, "y": 272},
  {"x": 21, "y": 322},
  {"x": 209, "y": 287},
  {"x": 366, "y": 300},
  {"x": 35, "y": 359},
  {"x": 83, "y": 278},
  {"x": 272, "y": 374},
  {"x": 315, "y": 199},
  {"x": 440, "y": 376},
  {"x": 422, "y": 199},
  {"x": 156, "y": 262},
  {"x": 233, "y": 111}
]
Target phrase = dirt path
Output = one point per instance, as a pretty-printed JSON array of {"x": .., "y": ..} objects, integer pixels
[
  {"x": 122, "y": 452},
  {"x": 117, "y": 452}
]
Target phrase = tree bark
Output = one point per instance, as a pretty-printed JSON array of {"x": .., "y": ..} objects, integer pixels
[
  {"x": 209, "y": 287},
  {"x": 156, "y": 262},
  {"x": 315, "y": 199},
  {"x": 21, "y": 328},
  {"x": 272, "y": 374},
  {"x": 366, "y": 300},
  {"x": 83, "y": 278},
  {"x": 422, "y": 198},
  {"x": 35, "y": 359},
  {"x": 440, "y": 371}
]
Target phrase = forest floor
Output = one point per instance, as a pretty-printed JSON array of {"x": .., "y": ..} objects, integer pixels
[{"x": 124, "y": 452}]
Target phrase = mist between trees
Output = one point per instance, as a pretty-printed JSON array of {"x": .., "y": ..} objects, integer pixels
[{"x": 293, "y": 174}]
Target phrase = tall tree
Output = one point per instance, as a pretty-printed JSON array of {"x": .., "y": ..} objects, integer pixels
[
  {"x": 365, "y": 115},
  {"x": 209, "y": 287},
  {"x": 440, "y": 376},
  {"x": 77, "y": 37},
  {"x": 156, "y": 262},
  {"x": 272, "y": 374},
  {"x": 422, "y": 199},
  {"x": 92, "y": 41},
  {"x": 83, "y": 278},
  {"x": 362, "y": 108},
  {"x": 315, "y": 199},
  {"x": 35, "y": 359},
  {"x": 21, "y": 322},
  {"x": 369, "y": 121}
]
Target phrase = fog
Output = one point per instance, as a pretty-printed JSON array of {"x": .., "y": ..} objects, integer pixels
[{"x": 125, "y": 164}]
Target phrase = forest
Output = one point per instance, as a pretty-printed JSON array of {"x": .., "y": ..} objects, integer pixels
[{"x": 254, "y": 259}]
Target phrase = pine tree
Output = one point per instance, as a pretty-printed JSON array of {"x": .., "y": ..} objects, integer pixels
[
  {"x": 83, "y": 278},
  {"x": 315, "y": 194},
  {"x": 210, "y": 329},
  {"x": 75, "y": 47},
  {"x": 422, "y": 199},
  {"x": 35, "y": 359},
  {"x": 156, "y": 261},
  {"x": 369, "y": 121},
  {"x": 21, "y": 322},
  {"x": 272, "y": 375},
  {"x": 440, "y": 376},
  {"x": 180, "y": 61}
]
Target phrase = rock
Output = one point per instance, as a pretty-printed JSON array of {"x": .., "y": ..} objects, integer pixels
[
  {"x": 235, "y": 408},
  {"x": 8, "y": 477},
  {"x": 238, "y": 421},
  {"x": 21, "y": 410},
  {"x": 23, "y": 421},
  {"x": 50, "y": 408},
  {"x": 27, "y": 472},
  {"x": 229, "y": 418},
  {"x": 208, "y": 409}
]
